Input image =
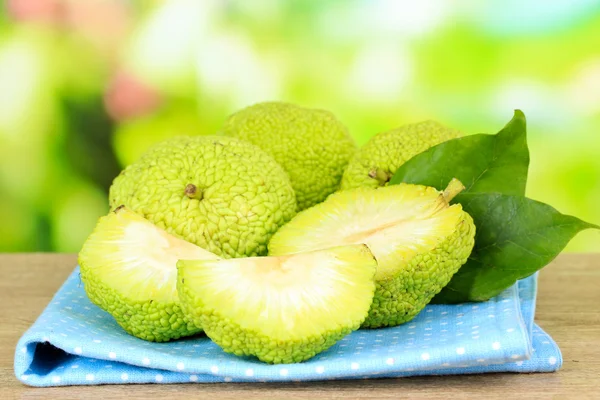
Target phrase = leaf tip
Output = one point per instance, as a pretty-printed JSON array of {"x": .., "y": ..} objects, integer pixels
[{"x": 518, "y": 114}]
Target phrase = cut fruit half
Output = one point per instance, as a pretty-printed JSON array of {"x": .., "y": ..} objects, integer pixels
[
  {"x": 128, "y": 267},
  {"x": 419, "y": 241},
  {"x": 281, "y": 309}
]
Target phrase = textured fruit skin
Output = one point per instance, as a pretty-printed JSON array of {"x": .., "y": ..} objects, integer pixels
[
  {"x": 235, "y": 340},
  {"x": 377, "y": 161},
  {"x": 241, "y": 195},
  {"x": 311, "y": 144},
  {"x": 148, "y": 320},
  {"x": 242, "y": 341},
  {"x": 399, "y": 298}
]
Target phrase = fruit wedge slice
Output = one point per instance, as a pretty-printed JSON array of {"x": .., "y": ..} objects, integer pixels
[
  {"x": 128, "y": 268},
  {"x": 280, "y": 309},
  {"x": 419, "y": 241}
]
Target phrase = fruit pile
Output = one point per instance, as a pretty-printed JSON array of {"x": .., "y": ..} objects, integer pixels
[{"x": 277, "y": 237}]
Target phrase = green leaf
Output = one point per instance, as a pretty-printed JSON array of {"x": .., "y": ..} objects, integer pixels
[
  {"x": 483, "y": 163},
  {"x": 516, "y": 236}
]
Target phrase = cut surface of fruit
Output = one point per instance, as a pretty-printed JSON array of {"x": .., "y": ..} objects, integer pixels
[
  {"x": 419, "y": 241},
  {"x": 280, "y": 309},
  {"x": 396, "y": 223},
  {"x": 128, "y": 267}
]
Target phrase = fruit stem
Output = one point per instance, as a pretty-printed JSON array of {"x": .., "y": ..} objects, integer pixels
[
  {"x": 383, "y": 177},
  {"x": 192, "y": 192},
  {"x": 454, "y": 187}
]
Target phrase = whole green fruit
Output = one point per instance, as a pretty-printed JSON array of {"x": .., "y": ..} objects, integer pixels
[
  {"x": 312, "y": 145},
  {"x": 377, "y": 161},
  {"x": 222, "y": 194}
]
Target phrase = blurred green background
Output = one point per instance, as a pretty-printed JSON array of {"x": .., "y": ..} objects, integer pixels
[{"x": 88, "y": 85}]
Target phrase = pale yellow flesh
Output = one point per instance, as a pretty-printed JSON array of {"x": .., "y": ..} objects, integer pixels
[
  {"x": 396, "y": 222},
  {"x": 287, "y": 297},
  {"x": 137, "y": 258}
]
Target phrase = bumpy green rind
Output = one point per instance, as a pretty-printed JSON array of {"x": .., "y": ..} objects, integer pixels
[
  {"x": 399, "y": 298},
  {"x": 376, "y": 162},
  {"x": 242, "y": 342},
  {"x": 312, "y": 145},
  {"x": 149, "y": 320},
  {"x": 243, "y": 196}
]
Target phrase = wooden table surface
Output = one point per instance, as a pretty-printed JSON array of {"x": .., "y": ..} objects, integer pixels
[{"x": 568, "y": 309}]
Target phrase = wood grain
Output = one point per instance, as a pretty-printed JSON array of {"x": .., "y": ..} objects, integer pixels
[{"x": 568, "y": 309}]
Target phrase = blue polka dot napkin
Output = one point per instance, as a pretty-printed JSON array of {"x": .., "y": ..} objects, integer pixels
[{"x": 74, "y": 342}]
